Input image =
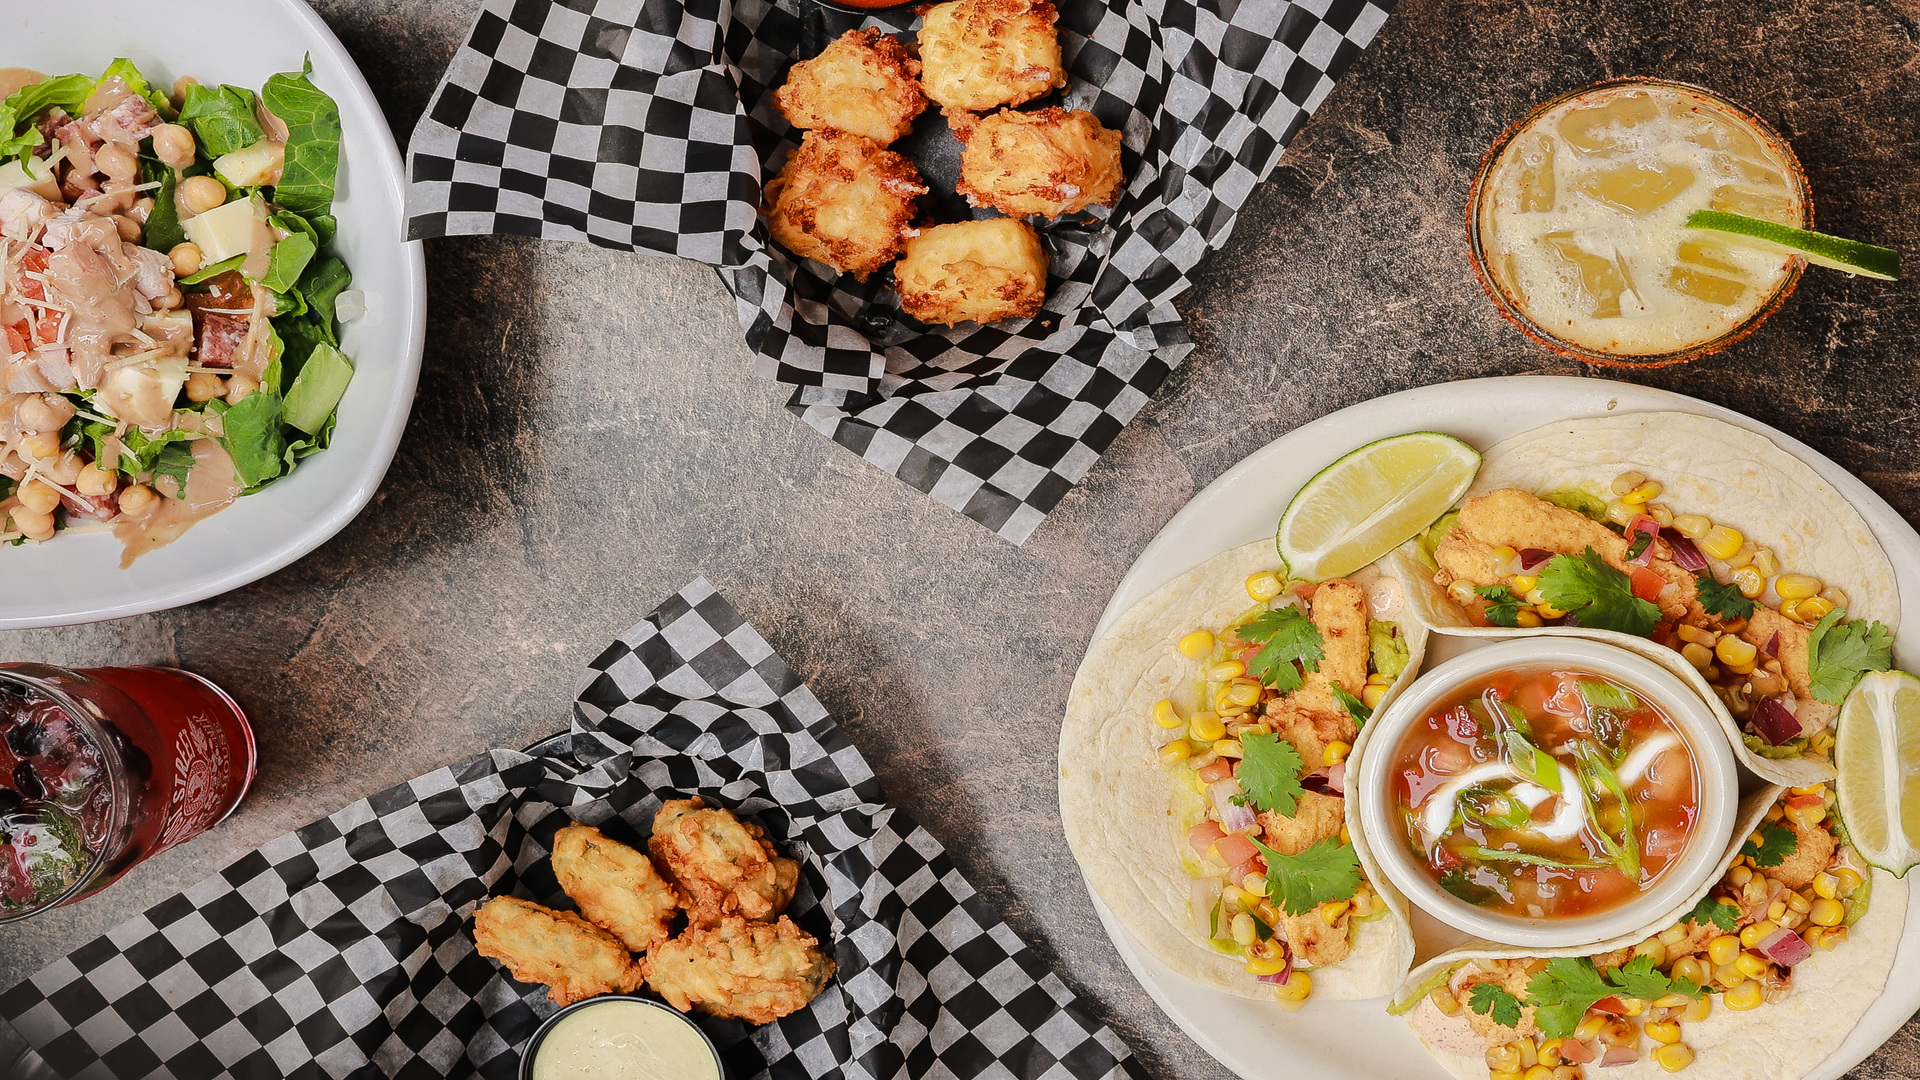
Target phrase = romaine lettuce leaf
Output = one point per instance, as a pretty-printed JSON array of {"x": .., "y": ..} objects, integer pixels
[
  {"x": 222, "y": 118},
  {"x": 70, "y": 92},
  {"x": 313, "y": 144},
  {"x": 136, "y": 82},
  {"x": 254, "y": 440}
]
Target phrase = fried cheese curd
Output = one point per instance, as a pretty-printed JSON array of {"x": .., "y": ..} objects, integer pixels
[
  {"x": 617, "y": 887},
  {"x": 755, "y": 971},
  {"x": 843, "y": 201},
  {"x": 724, "y": 866},
  {"x": 979, "y": 270},
  {"x": 976, "y": 54},
  {"x": 1049, "y": 162},
  {"x": 574, "y": 958},
  {"x": 864, "y": 83}
]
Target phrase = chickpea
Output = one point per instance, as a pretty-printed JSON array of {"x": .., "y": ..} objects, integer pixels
[
  {"x": 239, "y": 386},
  {"x": 129, "y": 229},
  {"x": 116, "y": 161},
  {"x": 40, "y": 446},
  {"x": 170, "y": 299},
  {"x": 173, "y": 145},
  {"x": 138, "y": 500},
  {"x": 36, "y": 527},
  {"x": 204, "y": 386},
  {"x": 45, "y": 412},
  {"x": 202, "y": 193},
  {"x": 11, "y": 466},
  {"x": 38, "y": 498},
  {"x": 63, "y": 470},
  {"x": 142, "y": 210},
  {"x": 95, "y": 481},
  {"x": 186, "y": 259},
  {"x": 179, "y": 91}
]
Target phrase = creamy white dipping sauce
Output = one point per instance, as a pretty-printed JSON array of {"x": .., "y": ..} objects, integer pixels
[{"x": 624, "y": 1040}]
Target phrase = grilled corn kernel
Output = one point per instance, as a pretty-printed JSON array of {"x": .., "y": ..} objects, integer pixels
[
  {"x": 1662, "y": 1031},
  {"x": 1673, "y": 1057},
  {"x": 1696, "y": 635},
  {"x": 1444, "y": 1000},
  {"x": 1848, "y": 880},
  {"x": 1504, "y": 1058},
  {"x": 1527, "y": 619},
  {"x": 1590, "y": 1027},
  {"x": 1524, "y": 583},
  {"x": 1753, "y": 935},
  {"x": 1504, "y": 554},
  {"x": 1332, "y": 910},
  {"x": 1798, "y": 902},
  {"x": 1723, "y": 949},
  {"x": 1197, "y": 645},
  {"x": 1297, "y": 987},
  {"x": 1743, "y": 997},
  {"x": 1633, "y": 1006},
  {"x": 1243, "y": 692},
  {"x": 1627, "y": 481},
  {"x": 1538, "y": 1072},
  {"x": 1371, "y": 696},
  {"x": 1335, "y": 753},
  {"x": 1751, "y": 966},
  {"x": 1529, "y": 1053},
  {"x": 1740, "y": 875},
  {"x": 1672, "y": 935},
  {"x": 1264, "y": 585},
  {"x": 1722, "y": 542},
  {"x": 1796, "y": 586},
  {"x": 1735, "y": 652},
  {"x": 1765, "y": 561},
  {"x": 1692, "y": 969},
  {"x": 1226, "y": 671},
  {"x": 1548, "y": 611},
  {"x": 1749, "y": 581},
  {"x": 1242, "y": 929},
  {"x": 1661, "y": 514},
  {"x": 1697, "y": 1009},
  {"x": 1461, "y": 592},
  {"x": 1777, "y": 910},
  {"x": 1835, "y": 595},
  {"x": 1550, "y": 1053},
  {"x": 1206, "y": 727},
  {"x": 1824, "y": 886},
  {"x": 1266, "y": 965},
  {"x": 1692, "y": 526},
  {"x": 1671, "y": 1001},
  {"x": 1815, "y": 608},
  {"x": 1176, "y": 752},
  {"x": 1729, "y": 975},
  {"x": 1652, "y": 947},
  {"x": 1506, "y": 1074},
  {"x": 1743, "y": 557},
  {"x": 1833, "y": 937},
  {"x": 1567, "y": 1072},
  {"x": 1805, "y": 816},
  {"x": 1622, "y": 512},
  {"x": 1164, "y": 715},
  {"x": 1644, "y": 494},
  {"x": 1697, "y": 654},
  {"x": 1345, "y": 838},
  {"x": 1254, "y": 885}
]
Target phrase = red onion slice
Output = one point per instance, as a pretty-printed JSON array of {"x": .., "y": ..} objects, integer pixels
[
  {"x": 1643, "y": 524},
  {"x": 1772, "y": 721},
  {"x": 1772, "y": 647},
  {"x": 1784, "y": 947},
  {"x": 1576, "y": 1052},
  {"x": 1328, "y": 781},
  {"x": 1532, "y": 557},
  {"x": 1233, "y": 816},
  {"x": 1685, "y": 551},
  {"x": 1279, "y": 978},
  {"x": 1617, "y": 1056}
]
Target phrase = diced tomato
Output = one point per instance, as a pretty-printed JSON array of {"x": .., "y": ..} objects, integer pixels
[
  {"x": 1664, "y": 635},
  {"x": 17, "y": 339},
  {"x": 1647, "y": 584},
  {"x": 1203, "y": 836},
  {"x": 1234, "y": 849},
  {"x": 1305, "y": 590},
  {"x": 1462, "y": 726},
  {"x": 1445, "y": 858},
  {"x": 1612, "y": 1006},
  {"x": 1575, "y": 1052},
  {"x": 1216, "y": 771},
  {"x": 1803, "y": 802},
  {"x": 1251, "y": 866}
]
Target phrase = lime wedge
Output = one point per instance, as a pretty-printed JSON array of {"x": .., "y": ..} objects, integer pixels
[
  {"x": 1877, "y": 753},
  {"x": 1372, "y": 501},
  {"x": 1852, "y": 256}
]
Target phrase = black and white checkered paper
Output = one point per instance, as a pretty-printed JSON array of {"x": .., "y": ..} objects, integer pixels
[
  {"x": 648, "y": 125},
  {"x": 345, "y": 949}
]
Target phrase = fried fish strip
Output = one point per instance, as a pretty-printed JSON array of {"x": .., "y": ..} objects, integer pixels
[
  {"x": 757, "y": 972},
  {"x": 574, "y": 958},
  {"x": 1048, "y": 162},
  {"x": 724, "y": 866},
  {"x": 864, "y": 82},
  {"x": 973, "y": 270},
  {"x": 616, "y": 887},
  {"x": 976, "y": 54}
]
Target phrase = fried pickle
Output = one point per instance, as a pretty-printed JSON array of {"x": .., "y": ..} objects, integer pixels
[
  {"x": 976, "y": 54},
  {"x": 574, "y": 958},
  {"x": 724, "y": 866},
  {"x": 757, "y": 972},
  {"x": 1049, "y": 162},
  {"x": 979, "y": 270},
  {"x": 617, "y": 888},
  {"x": 843, "y": 201},
  {"x": 864, "y": 83}
]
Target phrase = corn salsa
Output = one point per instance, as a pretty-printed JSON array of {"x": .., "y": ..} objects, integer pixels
[{"x": 1546, "y": 792}]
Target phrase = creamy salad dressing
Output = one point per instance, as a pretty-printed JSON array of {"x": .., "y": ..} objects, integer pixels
[
  {"x": 15, "y": 79},
  {"x": 624, "y": 1040},
  {"x": 211, "y": 486}
]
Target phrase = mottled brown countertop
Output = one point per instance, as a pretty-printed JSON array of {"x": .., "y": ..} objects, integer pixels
[{"x": 589, "y": 437}]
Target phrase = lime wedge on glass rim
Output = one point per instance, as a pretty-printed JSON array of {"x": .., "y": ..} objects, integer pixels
[
  {"x": 1372, "y": 501},
  {"x": 1852, "y": 256},
  {"x": 1877, "y": 754}
]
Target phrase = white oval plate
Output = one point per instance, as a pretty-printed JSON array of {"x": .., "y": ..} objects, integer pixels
[
  {"x": 1357, "y": 1039},
  {"x": 75, "y": 579}
]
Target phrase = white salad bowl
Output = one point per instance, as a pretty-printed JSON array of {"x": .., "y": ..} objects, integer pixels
[
  {"x": 1672, "y": 892},
  {"x": 77, "y": 578}
]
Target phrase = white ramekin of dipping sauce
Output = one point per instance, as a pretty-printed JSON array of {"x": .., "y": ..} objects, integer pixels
[
  {"x": 1670, "y": 893},
  {"x": 620, "y": 1037}
]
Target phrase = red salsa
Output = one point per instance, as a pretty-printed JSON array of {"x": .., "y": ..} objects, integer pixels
[{"x": 1546, "y": 792}]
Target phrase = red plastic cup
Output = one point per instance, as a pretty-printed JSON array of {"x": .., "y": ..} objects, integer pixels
[{"x": 101, "y": 768}]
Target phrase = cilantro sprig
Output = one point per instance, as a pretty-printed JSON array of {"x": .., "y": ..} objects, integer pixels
[
  {"x": 1488, "y": 999},
  {"x": 1562, "y": 992},
  {"x": 1269, "y": 772},
  {"x": 1715, "y": 912},
  {"x": 1288, "y": 640},
  {"x": 1839, "y": 653},
  {"x": 1724, "y": 600},
  {"x": 1355, "y": 707},
  {"x": 1596, "y": 595},
  {"x": 1776, "y": 843},
  {"x": 1327, "y": 871},
  {"x": 1503, "y": 607}
]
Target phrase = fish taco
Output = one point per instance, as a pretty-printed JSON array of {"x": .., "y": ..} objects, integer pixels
[
  {"x": 1202, "y": 770},
  {"x": 1764, "y": 976},
  {"x": 1694, "y": 542}
]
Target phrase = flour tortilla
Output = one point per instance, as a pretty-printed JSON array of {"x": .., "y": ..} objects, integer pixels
[
  {"x": 1127, "y": 816},
  {"x": 1731, "y": 475},
  {"x": 1782, "y": 1041}
]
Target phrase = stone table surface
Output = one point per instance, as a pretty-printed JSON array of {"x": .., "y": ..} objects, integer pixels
[{"x": 589, "y": 436}]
